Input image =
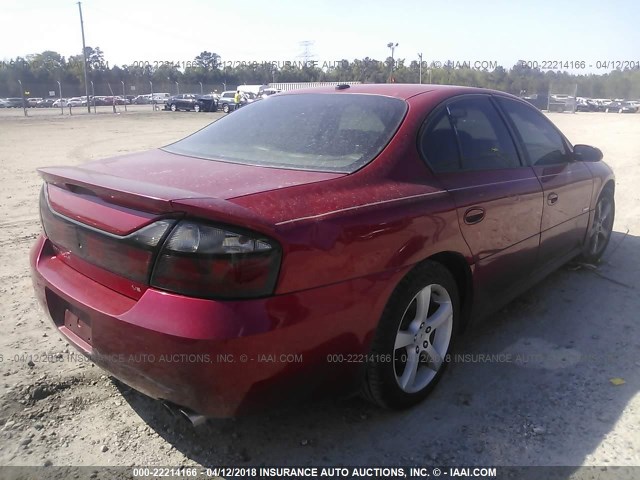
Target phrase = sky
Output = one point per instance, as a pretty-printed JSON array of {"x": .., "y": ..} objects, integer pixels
[{"x": 502, "y": 31}]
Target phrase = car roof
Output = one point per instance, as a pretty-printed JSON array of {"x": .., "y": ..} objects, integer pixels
[{"x": 403, "y": 91}]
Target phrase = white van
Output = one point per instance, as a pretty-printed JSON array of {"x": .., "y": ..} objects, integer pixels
[{"x": 160, "y": 97}]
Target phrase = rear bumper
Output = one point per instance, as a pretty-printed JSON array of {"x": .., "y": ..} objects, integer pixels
[{"x": 216, "y": 358}]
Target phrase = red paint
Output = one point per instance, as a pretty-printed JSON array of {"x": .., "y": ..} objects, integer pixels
[{"x": 347, "y": 240}]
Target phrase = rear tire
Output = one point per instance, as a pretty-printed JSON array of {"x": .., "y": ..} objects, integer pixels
[{"x": 411, "y": 345}]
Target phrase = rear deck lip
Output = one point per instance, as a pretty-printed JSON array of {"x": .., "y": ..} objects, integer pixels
[{"x": 95, "y": 212}]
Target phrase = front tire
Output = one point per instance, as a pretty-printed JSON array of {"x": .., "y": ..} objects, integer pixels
[
  {"x": 600, "y": 233},
  {"x": 225, "y": 108},
  {"x": 173, "y": 107},
  {"x": 413, "y": 339},
  {"x": 196, "y": 108}
]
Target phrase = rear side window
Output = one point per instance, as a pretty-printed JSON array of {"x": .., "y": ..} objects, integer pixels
[
  {"x": 543, "y": 143},
  {"x": 468, "y": 135},
  {"x": 323, "y": 132},
  {"x": 439, "y": 145},
  {"x": 485, "y": 142}
]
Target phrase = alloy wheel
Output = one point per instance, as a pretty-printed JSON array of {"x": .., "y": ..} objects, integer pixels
[
  {"x": 423, "y": 338},
  {"x": 602, "y": 226}
]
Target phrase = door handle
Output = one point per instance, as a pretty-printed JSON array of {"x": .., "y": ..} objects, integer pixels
[
  {"x": 552, "y": 198},
  {"x": 473, "y": 216}
]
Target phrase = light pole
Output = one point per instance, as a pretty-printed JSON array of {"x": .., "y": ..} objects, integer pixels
[
  {"x": 24, "y": 103},
  {"x": 392, "y": 46},
  {"x": 420, "y": 57},
  {"x": 60, "y": 90},
  {"x": 201, "y": 90},
  {"x": 153, "y": 105},
  {"x": 84, "y": 56},
  {"x": 177, "y": 88}
]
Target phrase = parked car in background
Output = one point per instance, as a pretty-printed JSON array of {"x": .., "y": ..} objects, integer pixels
[
  {"x": 14, "y": 102},
  {"x": 621, "y": 107},
  {"x": 77, "y": 102},
  {"x": 45, "y": 103},
  {"x": 191, "y": 101},
  {"x": 370, "y": 222},
  {"x": 60, "y": 103},
  {"x": 32, "y": 102},
  {"x": 209, "y": 101},
  {"x": 586, "y": 105},
  {"x": 4, "y": 103},
  {"x": 160, "y": 98},
  {"x": 267, "y": 92},
  {"x": 99, "y": 100},
  {"x": 227, "y": 101},
  {"x": 142, "y": 99}
]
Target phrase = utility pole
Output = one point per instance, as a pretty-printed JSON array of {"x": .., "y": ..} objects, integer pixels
[
  {"x": 24, "y": 102},
  {"x": 420, "y": 57},
  {"x": 392, "y": 46},
  {"x": 60, "y": 90},
  {"x": 84, "y": 56}
]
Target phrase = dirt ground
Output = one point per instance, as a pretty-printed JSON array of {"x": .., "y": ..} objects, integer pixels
[{"x": 556, "y": 405}]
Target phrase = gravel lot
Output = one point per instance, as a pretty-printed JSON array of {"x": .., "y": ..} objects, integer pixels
[{"x": 553, "y": 403}]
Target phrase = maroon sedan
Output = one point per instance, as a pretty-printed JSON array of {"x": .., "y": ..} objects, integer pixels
[{"x": 324, "y": 239}]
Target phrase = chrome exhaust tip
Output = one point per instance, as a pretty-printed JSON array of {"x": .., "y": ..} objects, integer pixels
[{"x": 194, "y": 418}]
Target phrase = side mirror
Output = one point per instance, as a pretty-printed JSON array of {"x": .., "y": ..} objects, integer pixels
[{"x": 586, "y": 153}]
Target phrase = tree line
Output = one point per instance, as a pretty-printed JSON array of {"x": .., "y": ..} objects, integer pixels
[{"x": 41, "y": 72}]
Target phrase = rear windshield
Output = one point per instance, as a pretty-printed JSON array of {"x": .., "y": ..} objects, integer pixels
[{"x": 322, "y": 132}]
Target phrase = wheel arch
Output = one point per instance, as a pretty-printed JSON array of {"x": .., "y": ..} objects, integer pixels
[
  {"x": 460, "y": 269},
  {"x": 610, "y": 186}
]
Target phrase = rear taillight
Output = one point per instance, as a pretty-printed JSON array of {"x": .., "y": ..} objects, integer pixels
[
  {"x": 130, "y": 256},
  {"x": 216, "y": 262}
]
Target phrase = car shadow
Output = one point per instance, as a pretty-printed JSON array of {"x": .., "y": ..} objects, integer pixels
[{"x": 539, "y": 383}]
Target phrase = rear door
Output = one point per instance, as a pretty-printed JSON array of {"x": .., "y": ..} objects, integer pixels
[
  {"x": 567, "y": 184},
  {"x": 498, "y": 197}
]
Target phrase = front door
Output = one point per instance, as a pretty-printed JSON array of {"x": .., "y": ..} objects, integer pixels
[{"x": 567, "y": 184}]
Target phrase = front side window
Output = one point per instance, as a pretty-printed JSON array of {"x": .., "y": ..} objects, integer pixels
[
  {"x": 543, "y": 143},
  {"x": 323, "y": 132}
]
